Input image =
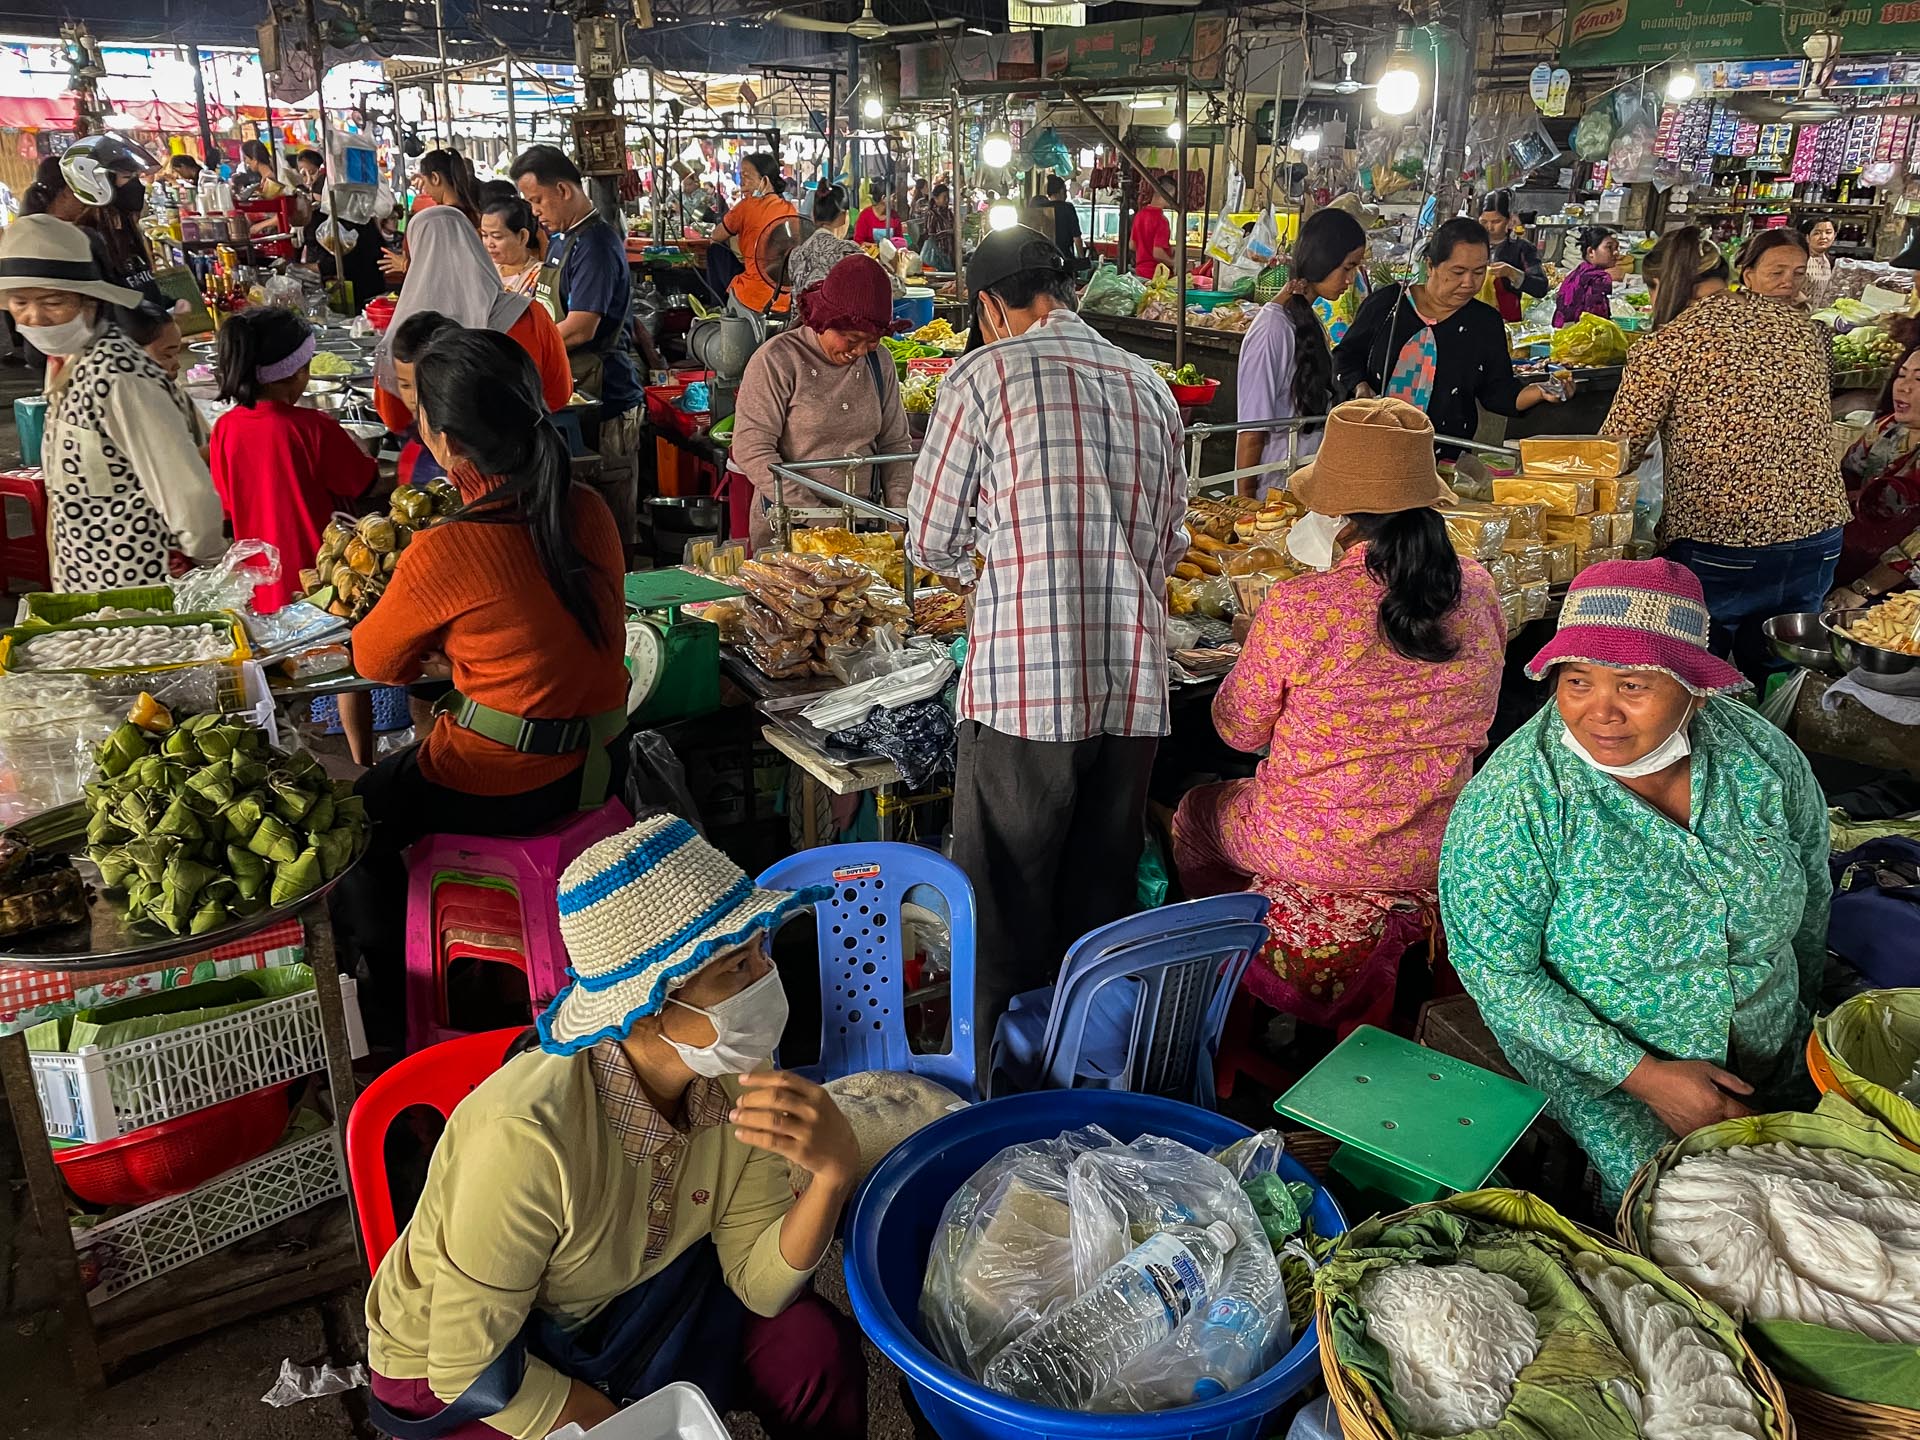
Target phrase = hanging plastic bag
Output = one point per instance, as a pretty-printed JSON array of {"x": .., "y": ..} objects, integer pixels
[
  {"x": 228, "y": 583},
  {"x": 1647, "y": 508},
  {"x": 1263, "y": 241},
  {"x": 1226, "y": 241}
]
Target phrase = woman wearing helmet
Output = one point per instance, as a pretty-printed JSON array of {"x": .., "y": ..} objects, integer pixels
[
  {"x": 102, "y": 173},
  {"x": 127, "y": 487}
]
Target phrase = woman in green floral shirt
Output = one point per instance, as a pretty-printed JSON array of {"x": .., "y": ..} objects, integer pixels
[{"x": 1635, "y": 887}]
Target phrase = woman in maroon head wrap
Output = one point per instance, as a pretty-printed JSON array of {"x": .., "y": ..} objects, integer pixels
[{"x": 822, "y": 390}]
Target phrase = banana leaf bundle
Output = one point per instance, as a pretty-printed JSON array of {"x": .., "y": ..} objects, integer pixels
[
  {"x": 296, "y": 878},
  {"x": 291, "y": 799},
  {"x": 272, "y": 840},
  {"x": 121, "y": 749}
]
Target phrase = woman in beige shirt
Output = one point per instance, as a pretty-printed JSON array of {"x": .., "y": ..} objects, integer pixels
[{"x": 821, "y": 390}]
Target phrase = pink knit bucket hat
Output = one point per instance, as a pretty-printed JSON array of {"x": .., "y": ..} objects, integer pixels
[{"x": 1639, "y": 615}]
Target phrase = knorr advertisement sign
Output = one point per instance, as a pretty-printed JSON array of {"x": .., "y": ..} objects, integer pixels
[{"x": 1628, "y": 32}]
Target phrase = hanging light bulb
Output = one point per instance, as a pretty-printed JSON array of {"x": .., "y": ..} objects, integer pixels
[
  {"x": 996, "y": 151},
  {"x": 1307, "y": 141},
  {"x": 1682, "y": 84},
  {"x": 872, "y": 108},
  {"x": 1003, "y": 215},
  {"x": 922, "y": 129},
  {"x": 1399, "y": 88},
  {"x": 1174, "y": 130}
]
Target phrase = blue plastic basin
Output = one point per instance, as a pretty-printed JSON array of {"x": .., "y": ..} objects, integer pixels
[{"x": 897, "y": 1212}]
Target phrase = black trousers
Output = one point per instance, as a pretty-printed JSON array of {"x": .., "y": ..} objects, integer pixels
[
  {"x": 1049, "y": 833},
  {"x": 369, "y": 906}
]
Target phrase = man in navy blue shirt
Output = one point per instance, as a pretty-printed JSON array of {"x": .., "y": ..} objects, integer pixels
[{"x": 587, "y": 288}]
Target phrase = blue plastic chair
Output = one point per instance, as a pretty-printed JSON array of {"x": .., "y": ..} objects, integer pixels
[
  {"x": 1140, "y": 1004},
  {"x": 863, "y": 959}
]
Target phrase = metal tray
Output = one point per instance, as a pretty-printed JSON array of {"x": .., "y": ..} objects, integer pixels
[
  {"x": 107, "y": 939},
  {"x": 786, "y": 714}
]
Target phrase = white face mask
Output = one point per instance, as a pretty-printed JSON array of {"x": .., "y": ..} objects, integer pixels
[
  {"x": 746, "y": 1030},
  {"x": 69, "y": 337},
  {"x": 1674, "y": 748},
  {"x": 1311, "y": 539}
]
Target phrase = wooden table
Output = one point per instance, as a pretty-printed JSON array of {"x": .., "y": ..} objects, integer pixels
[{"x": 839, "y": 778}]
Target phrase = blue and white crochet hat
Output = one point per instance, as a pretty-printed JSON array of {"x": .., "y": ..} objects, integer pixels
[{"x": 643, "y": 911}]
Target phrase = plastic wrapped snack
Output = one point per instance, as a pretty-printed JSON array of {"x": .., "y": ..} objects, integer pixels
[
  {"x": 1501, "y": 568},
  {"x": 1534, "y": 597},
  {"x": 1529, "y": 559},
  {"x": 1510, "y": 611},
  {"x": 1563, "y": 561},
  {"x": 1571, "y": 496},
  {"x": 1573, "y": 455},
  {"x": 1475, "y": 528},
  {"x": 1523, "y": 521},
  {"x": 1003, "y": 1256},
  {"x": 1600, "y": 554},
  {"x": 1620, "y": 532},
  {"x": 1622, "y": 492},
  {"x": 1583, "y": 532}
]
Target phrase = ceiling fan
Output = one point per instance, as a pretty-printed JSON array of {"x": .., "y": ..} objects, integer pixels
[
  {"x": 865, "y": 26},
  {"x": 1812, "y": 105},
  {"x": 1346, "y": 84}
]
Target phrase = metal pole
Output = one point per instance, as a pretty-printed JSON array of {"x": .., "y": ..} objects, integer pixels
[
  {"x": 200, "y": 108},
  {"x": 959, "y": 258},
  {"x": 320, "y": 106},
  {"x": 513, "y": 116},
  {"x": 446, "y": 95},
  {"x": 1180, "y": 235}
]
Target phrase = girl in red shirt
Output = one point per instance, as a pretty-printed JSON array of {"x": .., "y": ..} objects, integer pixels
[{"x": 280, "y": 470}]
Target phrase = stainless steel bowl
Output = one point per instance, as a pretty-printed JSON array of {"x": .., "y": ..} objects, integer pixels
[
  {"x": 1799, "y": 640},
  {"x": 1879, "y": 669}
]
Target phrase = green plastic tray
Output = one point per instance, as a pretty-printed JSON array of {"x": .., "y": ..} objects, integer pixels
[
  {"x": 58, "y": 609},
  {"x": 675, "y": 586},
  {"x": 1415, "y": 1123}
]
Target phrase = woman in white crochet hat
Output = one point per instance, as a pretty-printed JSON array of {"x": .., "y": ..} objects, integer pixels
[{"x": 613, "y": 1211}]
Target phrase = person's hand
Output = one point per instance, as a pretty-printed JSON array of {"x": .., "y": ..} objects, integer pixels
[
  {"x": 1242, "y": 627},
  {"x": 1364, "y": 391},
  {"x": 1500, "y": 271},
  {"x": 1846, "y": 598},
  {"x": 435, "y": 666},
  {"x": 1687, "y": 1094},
  {"x": 178, "y": 563},
  {"x": 393, "y": 264},
  {"x": 798, "y": 1121}
]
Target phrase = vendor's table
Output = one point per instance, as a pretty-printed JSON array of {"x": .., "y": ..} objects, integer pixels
[
  {"x": 840, "y": 778},
  {"x": 310, "y": 1253}
]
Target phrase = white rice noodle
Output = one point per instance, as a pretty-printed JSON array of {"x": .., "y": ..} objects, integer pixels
[
  {"x": 1456, "y": 1338},
  {"x": 1689, "y": 1387},
  {"x": 1781, "y": 1232}
]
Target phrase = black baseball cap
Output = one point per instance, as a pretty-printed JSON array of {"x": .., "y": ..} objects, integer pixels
[{"x": 1009, "y": 252}]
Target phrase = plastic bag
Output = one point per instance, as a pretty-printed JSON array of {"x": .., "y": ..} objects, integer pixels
[
  {"x": 309, "y": 1382},
  {"x": 1003, "y": 1256},
  {"x": 228, "y": 583},
  {"x": 1226, "y": 241},
  {"x": 1263, "y": 241},
  {"x": 1651, "y": 501},
  {"x": 656, "y": 780},
  {"x": 883, "y": 1107},
  {"x": 1590, "y": 340},
  {"x": 1121, "y": 1195},
  {"x": 1111, "y": 293}
]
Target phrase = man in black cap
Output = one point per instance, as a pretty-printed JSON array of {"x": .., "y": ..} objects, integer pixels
[{"x": 1056, "y": 457}]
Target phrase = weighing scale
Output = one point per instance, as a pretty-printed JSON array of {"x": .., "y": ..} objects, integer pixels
[
  {"x": 1416, "y": 1123},
  {"x": 673, "y": 664}
]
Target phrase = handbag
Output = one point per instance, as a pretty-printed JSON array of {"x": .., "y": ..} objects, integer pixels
[
  {"x": 1874, "y": 923},
  {"x": 681, "y": 1324}
]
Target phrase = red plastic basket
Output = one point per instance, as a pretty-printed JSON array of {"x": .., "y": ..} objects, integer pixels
[{"x": 156, "y": 1161}]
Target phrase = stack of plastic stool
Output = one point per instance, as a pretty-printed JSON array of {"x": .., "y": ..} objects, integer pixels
[{"x": 491, "y": 899}]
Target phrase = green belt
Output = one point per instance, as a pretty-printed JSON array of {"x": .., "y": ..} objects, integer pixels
[{"x": 545, "y": 737}]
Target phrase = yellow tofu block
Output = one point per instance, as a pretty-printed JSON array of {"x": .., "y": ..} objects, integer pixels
[
  {"x": 1534, "y": 597},
  {"x": 1560, "y": 497},
  {"x": 1563, "y": 561},
  {"x": 1583, "y": 532},
  {"x": 1572, "y": 455},
  {"x": 1525, "y": 521},
  {"x": 1501, "y": 568},
  {"x": 1622, "y": 528},
  {"x": 1600, "y": 553},
  {"x": 1476, "y": 528},
  {"x": 1619, "y": 493},
  {"x": 1510, "y": 611},
  {"x": 1529, "y": 559}
]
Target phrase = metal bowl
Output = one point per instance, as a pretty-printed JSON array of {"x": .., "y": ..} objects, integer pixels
[
  {"x": 1799, "y": 640},
  {"x": 1878, "y": 669}
]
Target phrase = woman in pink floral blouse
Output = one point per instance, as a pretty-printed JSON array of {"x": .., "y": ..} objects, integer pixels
[{"x": 1372, "y": 687}]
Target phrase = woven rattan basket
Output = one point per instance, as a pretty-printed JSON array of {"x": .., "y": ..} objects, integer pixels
[
  {"x": 1819, "y": 1415},
  {"x": 1363, "y": 1415}
]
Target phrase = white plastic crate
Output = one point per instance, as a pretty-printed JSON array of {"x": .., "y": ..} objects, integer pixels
[
  {"x": 673, "y": 1412},
  {"x": 130, "y": 1249},
  {"x": 101, "y": 1094}
]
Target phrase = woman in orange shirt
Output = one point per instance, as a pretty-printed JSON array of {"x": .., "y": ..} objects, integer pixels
[
  {"x": 516, "y": 597},
  {"x": 761, "y": 204},
  {"x": 452, "y": 276}
]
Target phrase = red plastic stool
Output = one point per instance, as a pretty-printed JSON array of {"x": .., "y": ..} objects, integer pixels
[
  {"x": 24, "y": 553},
  {"x": 531, "y": 866}
]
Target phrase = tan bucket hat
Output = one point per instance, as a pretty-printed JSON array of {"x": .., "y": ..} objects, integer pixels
[
  {"x": 41, "y": 253},
  {"x": 1376, "y": 458}
]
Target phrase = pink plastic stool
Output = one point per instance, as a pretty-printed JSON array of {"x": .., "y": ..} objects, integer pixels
[{"x": 532, "y": 865}]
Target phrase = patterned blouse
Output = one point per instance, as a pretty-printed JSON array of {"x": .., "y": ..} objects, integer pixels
[
  {"x": 1737, "y": 389},
  {"x": 1593, "y": 931},
  {"x": 1366, "y": 749}
]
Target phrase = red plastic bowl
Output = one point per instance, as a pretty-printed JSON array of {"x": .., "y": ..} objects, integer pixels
[
  {"x": 1188, "y": 395},
  {"x": 156, "y": 1161},
  {"x": 379, "y": 312}
]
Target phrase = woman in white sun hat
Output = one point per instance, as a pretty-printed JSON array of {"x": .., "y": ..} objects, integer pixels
[
  {"x": 127, "y": 487},
  {"x": 613, "y": 1212}
]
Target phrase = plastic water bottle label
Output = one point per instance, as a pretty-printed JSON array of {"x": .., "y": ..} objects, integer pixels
[
  {"x": 1163, "y": 1269},
  {"x": 1232, "y": 1313}
]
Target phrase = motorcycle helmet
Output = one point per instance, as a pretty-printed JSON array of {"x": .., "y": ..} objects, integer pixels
[{"x": 89, "y": 165}]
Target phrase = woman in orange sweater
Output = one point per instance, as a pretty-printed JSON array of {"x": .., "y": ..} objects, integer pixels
[
  {"x": 517, "y": 598},
  {"x": 451, "y": 275}
]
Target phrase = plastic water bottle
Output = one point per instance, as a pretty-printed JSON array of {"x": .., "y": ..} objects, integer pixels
[
  {"x": 1231, "y": 1338},
  {"x": 1073, "y": 1355}
]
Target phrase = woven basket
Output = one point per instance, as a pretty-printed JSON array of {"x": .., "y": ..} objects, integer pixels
[
  {"x": 1272, "y": 281},
  {"x": 1363, "y": 1415},
  {"x": 1874, "y": 1016},
  {"x": 1835, "y": 1125}
]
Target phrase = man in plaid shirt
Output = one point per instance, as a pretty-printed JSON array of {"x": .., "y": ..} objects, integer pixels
[{"x": 1055, "y": 457}]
